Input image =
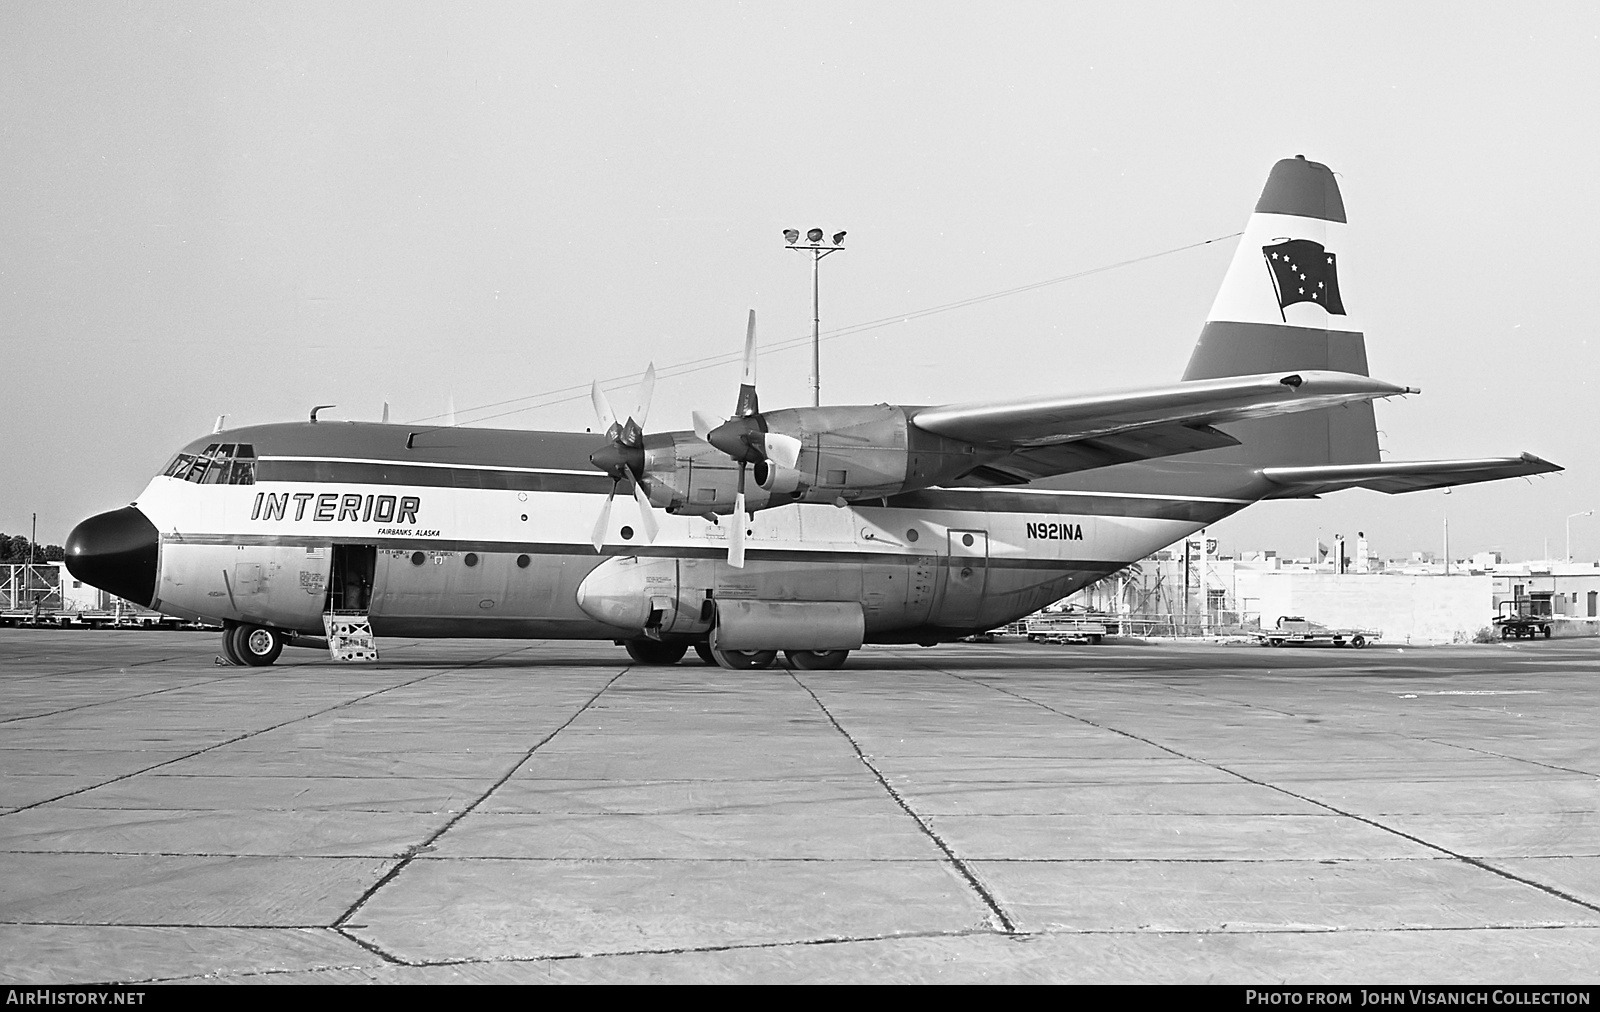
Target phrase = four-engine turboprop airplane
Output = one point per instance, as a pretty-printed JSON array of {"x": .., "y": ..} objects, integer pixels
[{"x": 806, "y": 530}]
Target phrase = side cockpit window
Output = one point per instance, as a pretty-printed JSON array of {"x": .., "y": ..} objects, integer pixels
[{"x": 217, "y": 464}]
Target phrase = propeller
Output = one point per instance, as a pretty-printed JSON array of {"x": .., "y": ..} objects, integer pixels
[
  {"x": 745, "y": 438},
  {"x": 623, "y": 456}
]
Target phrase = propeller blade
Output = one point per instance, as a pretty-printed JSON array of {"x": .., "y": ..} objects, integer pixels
[
  {"x": 736, "y": 533},
  {"x": 781, "y": 449},
  {"x": 748, "y": 404},
  {"x": 647, "y": 387},
  {"x": 647, "y": 515},
  {"x": 703, "y": 426},
  {"x": 602, "y": 525},
  {"x": 750, "y": 351},
  {"x": 602, "y": 406},
  {"x": 386, "y": 412}
]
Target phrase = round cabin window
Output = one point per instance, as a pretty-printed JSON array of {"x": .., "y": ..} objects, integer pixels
[{"x": 471, "y": 559}]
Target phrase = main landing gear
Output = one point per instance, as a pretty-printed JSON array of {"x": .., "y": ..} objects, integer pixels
[
  {"x": 655, "y": 652},
  {"x": 253, "y": 646}
]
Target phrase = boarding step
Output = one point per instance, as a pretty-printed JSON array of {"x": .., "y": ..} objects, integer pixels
[{"x": 350, "y": 636}]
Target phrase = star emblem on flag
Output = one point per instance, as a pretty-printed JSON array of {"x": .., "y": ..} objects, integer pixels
[{"x": 1303, "y": 271}]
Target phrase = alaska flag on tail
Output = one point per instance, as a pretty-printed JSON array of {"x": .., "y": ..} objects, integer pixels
[{"x": 1303, "y": 271}]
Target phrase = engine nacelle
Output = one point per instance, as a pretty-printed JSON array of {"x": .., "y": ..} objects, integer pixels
[{"x": 847, "y": 454}]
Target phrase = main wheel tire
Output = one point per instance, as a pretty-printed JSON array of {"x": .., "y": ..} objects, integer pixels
[
  {"x": 704, "y": 650},
  {"x": 656, "y": 652},
  {"x": 257, "y": 645},
  {"x": 229, "y": 650},
  {"x": 745, "y": 660},
  {"x": 817, "y": 660}
]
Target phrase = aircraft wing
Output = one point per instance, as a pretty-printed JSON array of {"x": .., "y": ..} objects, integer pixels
[
  {"x": 1401, "y": 476},
  {"x": 1157, "y": 411},
  {"x": 1033, "y": 462}
]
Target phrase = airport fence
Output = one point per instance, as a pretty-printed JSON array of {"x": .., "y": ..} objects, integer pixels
[
  {"x": 1179, "y": 625},
  {"x": 25, "y": 587}
]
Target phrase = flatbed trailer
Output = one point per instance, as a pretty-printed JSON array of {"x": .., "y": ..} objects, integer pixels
[
  {"x": 1515, "y": 621},
  {"x": 1293, "y": 630},
  {"x": 53, "y": 619},
  {"x": 1070, "y": 627}
]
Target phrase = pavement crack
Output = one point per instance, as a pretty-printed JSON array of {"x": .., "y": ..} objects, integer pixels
[
  {"x": 248, "y": 734},
  {"x": 1475, "y": 862},
  {"x": 116, "y": 699},
  {"x": 1007, "y": 925},
  {"x": 412, "y": 853},
  {"x": 372, "y": 947}
]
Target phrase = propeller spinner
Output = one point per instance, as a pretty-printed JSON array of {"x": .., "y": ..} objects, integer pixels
[
  {"x": 623, "y": 456},
  {"x": 744, "y": 437}
]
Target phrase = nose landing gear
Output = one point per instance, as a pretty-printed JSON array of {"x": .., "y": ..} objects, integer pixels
[{"x": 253, "y": 646}]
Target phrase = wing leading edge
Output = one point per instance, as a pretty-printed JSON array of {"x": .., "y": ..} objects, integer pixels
[
  {"x": 1401, "y": 476},
  {"x": 1050, "y": 436},
  {"x": 1043, "y": 421}
]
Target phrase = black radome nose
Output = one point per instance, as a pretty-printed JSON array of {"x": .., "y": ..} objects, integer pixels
[{"x": 116, "y": 551}]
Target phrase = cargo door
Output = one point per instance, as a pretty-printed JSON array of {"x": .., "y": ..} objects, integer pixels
[{"x": 966, "y": 578}]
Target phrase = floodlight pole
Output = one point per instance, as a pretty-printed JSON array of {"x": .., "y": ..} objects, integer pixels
[
  {"x": 817, "y": 251},
  {"x": 1585, "y": 513}
]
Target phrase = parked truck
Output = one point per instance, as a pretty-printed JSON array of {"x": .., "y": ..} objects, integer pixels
[{"x": 1296, "y": 630}]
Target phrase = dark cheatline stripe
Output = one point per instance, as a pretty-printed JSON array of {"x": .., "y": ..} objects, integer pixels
[
  {"x": 992, "y": 501},
  {"x": 432, "y": 476},
  {"x": 586, "y": 551},
  {"x": 960, "y": 501}
]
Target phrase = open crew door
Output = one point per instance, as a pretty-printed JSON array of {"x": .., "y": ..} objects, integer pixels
[
  {"x": 350, "y": 585},
  {"x": 346, "y": 621},
  {"x": 966, "y": 578}
]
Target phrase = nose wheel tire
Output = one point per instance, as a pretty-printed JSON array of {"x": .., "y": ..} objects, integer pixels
[
  {"x": 656, "y": 652},
  {"x": 816, "y": 660},
  {"x": 256, "y": 645},
  {"x": 745, "y": 660}
]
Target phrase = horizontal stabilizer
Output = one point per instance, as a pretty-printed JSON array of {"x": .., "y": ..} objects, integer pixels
[
  {"x": 1042, "y": 421},
  {"x": 1401, "y": 476}
]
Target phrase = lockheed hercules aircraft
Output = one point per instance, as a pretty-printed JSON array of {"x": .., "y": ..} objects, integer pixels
[{"x": 806, "y": 530}]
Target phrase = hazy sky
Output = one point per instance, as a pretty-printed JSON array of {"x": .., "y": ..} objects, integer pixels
[{"x": 253, "y": 208}]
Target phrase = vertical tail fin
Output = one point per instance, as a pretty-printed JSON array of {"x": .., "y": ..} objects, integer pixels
[{"x": 1280, "y": 307}]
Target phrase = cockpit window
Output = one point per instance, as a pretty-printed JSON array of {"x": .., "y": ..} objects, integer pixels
[{"x": 217, "y": 464}]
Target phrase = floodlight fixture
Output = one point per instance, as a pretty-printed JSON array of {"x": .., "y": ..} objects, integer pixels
[{"x": 814, "y": 246}]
